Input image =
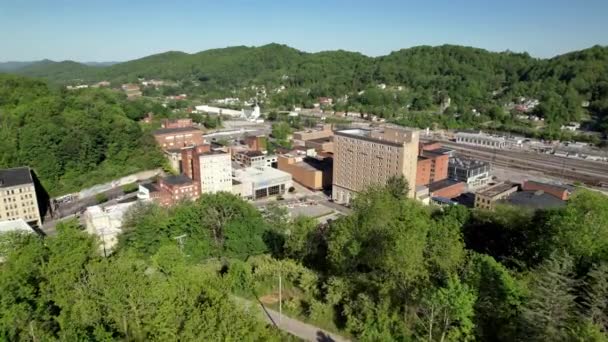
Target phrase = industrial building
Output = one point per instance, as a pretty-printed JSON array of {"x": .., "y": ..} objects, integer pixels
[
  {"x": 481, "y": 139},
  {"x": 363, "y": 158},
  {"x": 487, "y": 198},
  {"x": 474, "y": 173}
]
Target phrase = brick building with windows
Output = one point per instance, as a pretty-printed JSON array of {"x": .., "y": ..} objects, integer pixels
[
  {"x": 364, "y": 158},
  {"x": 171, "y": 138}
]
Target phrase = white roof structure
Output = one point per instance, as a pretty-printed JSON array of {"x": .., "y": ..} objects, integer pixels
[
  {"x": 261, "y": 176},
  {"x": 106, "y": 223},
  {"x": 18, "y": 225}
]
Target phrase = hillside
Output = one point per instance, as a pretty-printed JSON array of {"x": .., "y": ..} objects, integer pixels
[
  {"x": 72, "y": 139},
  {"x": 470, "y": 77}
]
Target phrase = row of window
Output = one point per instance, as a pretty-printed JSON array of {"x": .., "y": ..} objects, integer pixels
[
  {"x": 27, "y": 214},
  {"x": 14, "y": 199}
]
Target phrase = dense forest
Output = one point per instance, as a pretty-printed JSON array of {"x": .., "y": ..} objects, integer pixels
[
  {"x": 72, "y": 139},
  {"x": 471, "y": 78},
  {"x": 393, "y": 270}
]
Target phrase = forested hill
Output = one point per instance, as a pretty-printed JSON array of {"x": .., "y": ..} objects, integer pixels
[
  {"x": 71, "y": 139},
  {"x": 470, "y": 77}
]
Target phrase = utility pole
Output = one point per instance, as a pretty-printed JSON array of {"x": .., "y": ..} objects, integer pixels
[
  {"x": 280, "y": 299},
  {"x": 180, "y": 241}
]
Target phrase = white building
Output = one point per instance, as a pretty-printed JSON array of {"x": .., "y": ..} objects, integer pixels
[
  {"x": 215, "y": 172},
  {"x": 256, "y": 183},
  {"x": 15, "y": 226},
  {"x": 251, "y": 114},
  {"x": 255, "y": 159},
  {"x": 573, "y": 126},
  {"x": 481, "y": 139},
  {"x": 106, "y": 224}
]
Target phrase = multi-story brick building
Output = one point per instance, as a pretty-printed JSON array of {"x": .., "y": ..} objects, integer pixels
[
  {"x": 171, "y": 138},
  {"x": 559, "y": 191},
  {"x": 363, "y": 158},
  {"x": 18, "y": 199},
  {"x": 301, "y": 137},
  {"x": 174, "y": 189},
  {"x": 176, "y": 123},
  {"x": 432, "y": 167},
  {"x": 312, "y": 172},
  {"x": 256, "y": 142}
]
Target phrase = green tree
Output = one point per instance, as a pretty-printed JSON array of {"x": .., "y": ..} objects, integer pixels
[
  {"x": 447, "y": 313},
  {"x": 398, "y": 186},
  {"x": 548, "y": 311}
]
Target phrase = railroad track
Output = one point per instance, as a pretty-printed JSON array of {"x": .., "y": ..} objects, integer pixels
[{"x": 574, "y": 169}]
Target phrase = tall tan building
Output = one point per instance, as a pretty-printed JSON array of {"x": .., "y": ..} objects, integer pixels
[
  {"x": 363, "y": 158},
  {"x": 18, "y": 196}
]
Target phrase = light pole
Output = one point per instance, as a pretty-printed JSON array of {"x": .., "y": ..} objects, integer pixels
[
  {"x": 280, "y": 298},
  {"x": 180, "y": 241}
]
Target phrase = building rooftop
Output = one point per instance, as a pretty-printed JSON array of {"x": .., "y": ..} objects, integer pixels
[
  {"x": 442, "y": 184},
  {"x": 358, "y": 132},
  {"x": 252, "y": 153},
  {"x": 535, "y": 200},
  {"x": 260, "y": 175},
  {"x": 321, "y": 140},
  {"x": 441, "y": 150},
  {"x": 388, "y": 136},
  {"x": 15, "y": 176},
  {"x": 559, "y": 187},
  {"x": 177, "y": 180},
  {"x": 18, "y": 225},
  {"x": 177, "y": 130},
  {"x": 497, "y": 189},
  {"x": 212, "y": 153},
  {"x": 151, "y": 187},
  {"x": 467, "y": 163}
]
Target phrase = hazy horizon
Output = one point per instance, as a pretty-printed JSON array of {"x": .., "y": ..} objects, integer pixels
[{"x": 255, "y": 46}]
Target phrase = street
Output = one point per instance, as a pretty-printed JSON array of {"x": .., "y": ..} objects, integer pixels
[{"x": 292, "y": 326}]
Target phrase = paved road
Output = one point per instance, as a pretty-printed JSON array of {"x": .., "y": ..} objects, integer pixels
[{"x": 292, "y": 326}]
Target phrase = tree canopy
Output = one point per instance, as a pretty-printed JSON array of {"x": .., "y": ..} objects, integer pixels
[{"x": 72, "y": 139}]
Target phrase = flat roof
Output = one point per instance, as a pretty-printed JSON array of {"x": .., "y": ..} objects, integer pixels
[
  {"x": 260, "y": 175},
  {"x": 176, "y": 130},
  {"x": 365, "y": 134},
  {"x": 535, "y": 200},
  {"x": 15, "y": 176},
  {"x": 441, "y": 150},
  {"x": 321, "y": 140},
  {"x": 252, "y": 153},
  {"x": 497, "y": 189},
  {"x": 560, "y": 187},
  {"x": 18, "y": 225},
  {"x": 212, "y": 152},
  {"x": 442, "y": 184},
  {"x": 177, "y": 180},
  {"x": 150, "y": 186},
  {"x": 467, "y": 163}
]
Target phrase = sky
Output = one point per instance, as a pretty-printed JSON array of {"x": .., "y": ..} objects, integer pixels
[{"x": 120, "y": 30}]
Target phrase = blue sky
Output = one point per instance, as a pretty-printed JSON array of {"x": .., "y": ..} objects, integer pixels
[{"x": 112, "y": 30}]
